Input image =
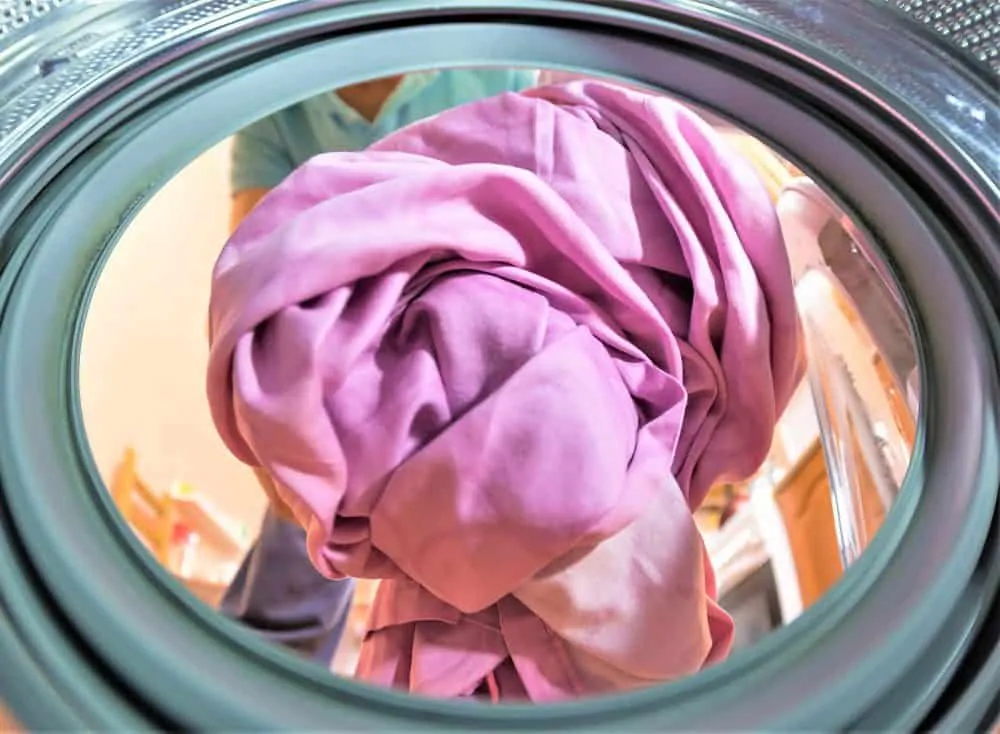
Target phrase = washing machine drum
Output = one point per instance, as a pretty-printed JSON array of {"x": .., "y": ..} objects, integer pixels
[{"x": 893, "y": 106}]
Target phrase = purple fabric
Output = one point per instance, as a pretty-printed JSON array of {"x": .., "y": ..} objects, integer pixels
[{"x": 497, "y": 360}]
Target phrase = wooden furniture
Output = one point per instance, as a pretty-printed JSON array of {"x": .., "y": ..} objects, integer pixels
[
  {"x": 805, "y": 503},
  {"x": 806, "y": 508},
  {"x": 151, "y": 516},
  {"x": 159, "y": 517},
  {"x": 903, "y": 418}
]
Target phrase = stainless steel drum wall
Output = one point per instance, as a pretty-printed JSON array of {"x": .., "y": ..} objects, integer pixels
[{"x": 93, "y": 636}]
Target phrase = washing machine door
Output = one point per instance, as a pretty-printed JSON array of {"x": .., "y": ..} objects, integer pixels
[{"x": 893, "y": 106}]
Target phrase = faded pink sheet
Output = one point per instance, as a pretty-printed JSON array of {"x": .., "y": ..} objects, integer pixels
[{"x": 497, "y": 360}]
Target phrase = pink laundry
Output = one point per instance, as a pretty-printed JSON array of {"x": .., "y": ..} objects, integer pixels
[{"x": 497, "y": 360}]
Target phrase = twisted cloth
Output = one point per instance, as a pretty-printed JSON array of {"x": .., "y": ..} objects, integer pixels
[{"x": 497, "y": 360}]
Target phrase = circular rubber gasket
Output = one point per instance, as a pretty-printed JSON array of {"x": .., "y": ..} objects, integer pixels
[{"x": 108, "y": 641}]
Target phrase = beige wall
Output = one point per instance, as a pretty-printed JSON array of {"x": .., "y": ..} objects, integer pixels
[{"x": 144, "y": 348}]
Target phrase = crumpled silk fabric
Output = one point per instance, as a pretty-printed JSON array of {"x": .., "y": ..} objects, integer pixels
[{"x": 497, "y": 360}]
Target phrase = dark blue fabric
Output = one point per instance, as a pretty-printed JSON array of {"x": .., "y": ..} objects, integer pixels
[{"x": 279, "y": 593}]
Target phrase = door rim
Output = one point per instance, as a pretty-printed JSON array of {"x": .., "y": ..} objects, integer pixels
[{"x": 38, "y": 239}]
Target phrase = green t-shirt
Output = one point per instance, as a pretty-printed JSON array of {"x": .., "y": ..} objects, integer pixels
[{"x": 267, "y": 151}]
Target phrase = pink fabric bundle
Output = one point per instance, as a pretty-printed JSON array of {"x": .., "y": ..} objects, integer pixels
[{"x": 497, "y": 360}]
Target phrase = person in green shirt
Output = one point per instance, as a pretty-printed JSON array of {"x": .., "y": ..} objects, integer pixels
[{"x": 276, "y": 589}]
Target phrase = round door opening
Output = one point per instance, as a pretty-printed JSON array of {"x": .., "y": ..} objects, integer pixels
[
  {"x": 777, "y": 539},
  {"x": 857, "y": 433}
]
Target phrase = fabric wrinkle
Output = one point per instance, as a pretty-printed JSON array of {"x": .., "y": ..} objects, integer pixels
[{"x": 496, "y": 361}]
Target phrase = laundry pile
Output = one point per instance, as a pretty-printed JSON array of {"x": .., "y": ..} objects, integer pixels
[{"x": 497, "y": 360}]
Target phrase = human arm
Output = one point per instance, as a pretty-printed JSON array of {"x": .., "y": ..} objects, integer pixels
[
  {"x": 242, "y": 203},
  {"x": 259, "y": 161}
]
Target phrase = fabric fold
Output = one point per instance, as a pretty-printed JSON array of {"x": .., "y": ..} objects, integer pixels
[{"x": 497, "y": 360}]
